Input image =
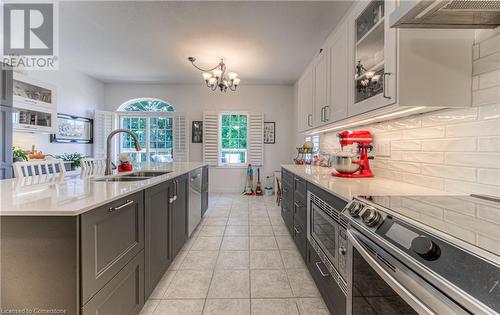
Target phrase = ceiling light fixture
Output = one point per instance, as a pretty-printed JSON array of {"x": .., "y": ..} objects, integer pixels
[{"x": 216, "y": 76}]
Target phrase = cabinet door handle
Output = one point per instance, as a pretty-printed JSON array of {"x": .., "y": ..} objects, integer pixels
[
  {"x": 126, "y": 204},
  {"x": 297, "y": 230},
  {"x": 309, "y": 119},
  {"x": 386, "y": 75},
  {"x": 342, "y": 250},
  {"x": 324, "y": 115},
  {"x": 172, "y": 199},
  {"x": 321, "y": 270},
  {"x": 298, "y": 204}
]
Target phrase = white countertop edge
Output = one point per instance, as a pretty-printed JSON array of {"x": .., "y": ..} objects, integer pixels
[
  {"x": 75, "y": 212},
  {"x": 318, "y": 176}
]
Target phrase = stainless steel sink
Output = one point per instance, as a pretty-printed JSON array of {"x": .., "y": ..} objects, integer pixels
[
  {"x": 146, "y": 174},
  {"x": 121, "y": 179}
]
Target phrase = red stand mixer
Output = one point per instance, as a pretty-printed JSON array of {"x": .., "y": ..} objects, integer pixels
[{"x": 354, "y": 165}]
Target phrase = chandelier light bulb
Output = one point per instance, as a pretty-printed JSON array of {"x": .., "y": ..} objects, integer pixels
[
  {"x": 217, "y": 73},
  {"x": 217, "y": 77},
  {"x": 206, "y": 76}
]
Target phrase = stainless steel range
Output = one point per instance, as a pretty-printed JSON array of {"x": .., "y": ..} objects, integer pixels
[{"x": 423, "y": 255}]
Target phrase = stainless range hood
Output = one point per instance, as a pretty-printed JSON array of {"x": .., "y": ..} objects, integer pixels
[{"x": 446, "y": 14}]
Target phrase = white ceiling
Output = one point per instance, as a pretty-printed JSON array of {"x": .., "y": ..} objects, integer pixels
[{"x": 149, "y": 42}]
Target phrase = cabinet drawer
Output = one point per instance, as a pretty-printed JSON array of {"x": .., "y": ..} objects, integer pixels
[
  {"x": 287, "y": 193},
  {"x": 333, "y": 296},
  {"x": 300, "y": 189},
  {"x": 286, "y": 177},
  {"x": 287, "y": 215},
  {"x": 300, "y": 238},
  {"x": 123, "y": 295},
  {"x": 300, "y": 211},
  {"x": 111, "y": 236}
]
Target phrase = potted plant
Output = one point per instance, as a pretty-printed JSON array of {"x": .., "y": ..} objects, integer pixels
[
  {"x": 74, "y": 158},
  {"x": 18, "y": 155}
]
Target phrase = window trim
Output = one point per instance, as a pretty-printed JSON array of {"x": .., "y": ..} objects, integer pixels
[{"x": 219, "y": 140}]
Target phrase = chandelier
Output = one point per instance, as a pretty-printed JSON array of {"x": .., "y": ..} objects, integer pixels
[{"x": 216, "y": 77}]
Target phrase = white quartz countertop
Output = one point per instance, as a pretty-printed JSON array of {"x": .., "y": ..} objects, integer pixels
[
  {"x": 70, "y": 196},
  {"x": 347, "y": 188}
]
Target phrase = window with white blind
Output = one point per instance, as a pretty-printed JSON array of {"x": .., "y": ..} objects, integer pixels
[
  {"x": 233, "y": 138},
  {"x": 161, "y": 131}
]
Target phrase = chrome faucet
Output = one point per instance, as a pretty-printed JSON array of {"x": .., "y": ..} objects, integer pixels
[{"x": 108, "y": 170}]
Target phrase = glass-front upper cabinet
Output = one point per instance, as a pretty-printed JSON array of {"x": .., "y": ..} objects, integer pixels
[
  {"x": 370, "y": 51},
  {"x": 374, "y": 53},
  {"x": 34, "y": 103}
]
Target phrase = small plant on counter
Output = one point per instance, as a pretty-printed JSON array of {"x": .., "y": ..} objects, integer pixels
[
  {"x": 18, "y": 155},
  {"x": 74, "y": 158}
]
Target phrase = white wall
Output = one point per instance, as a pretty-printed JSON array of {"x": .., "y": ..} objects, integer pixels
[
  {"x": 77, "y": 94},
  {"x": 276, "y": 101},
  {"x": 454, "y": 150}
]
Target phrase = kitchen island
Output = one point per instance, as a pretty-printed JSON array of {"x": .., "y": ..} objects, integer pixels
[{"x": 85, "y": 246}]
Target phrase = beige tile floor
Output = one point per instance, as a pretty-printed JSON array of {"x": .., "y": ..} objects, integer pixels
[{"x": 239, "y": 261}]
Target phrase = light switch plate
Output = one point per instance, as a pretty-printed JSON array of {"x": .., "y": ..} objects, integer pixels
[{"x": 383, "y": 148}]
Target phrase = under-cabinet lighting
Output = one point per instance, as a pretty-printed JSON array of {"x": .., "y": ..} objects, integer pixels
[{"x": 368, "y": 120}]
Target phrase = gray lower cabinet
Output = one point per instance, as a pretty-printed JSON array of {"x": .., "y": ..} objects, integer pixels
[
  {"x": 111, "y": 236},
  {"x": 158, "y": 248},
  {"x": 123, "y": 295},
  {"x": 179, "y": 211}
]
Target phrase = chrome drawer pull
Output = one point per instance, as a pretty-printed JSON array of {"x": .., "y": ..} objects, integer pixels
[
  {"x": 128, "y": 203},
  {"x": 298, "y": 204},
  {"x": 320, "y": 270},
  {"x": 171, "y": 200},
  {"x": 296, "y": 230}
]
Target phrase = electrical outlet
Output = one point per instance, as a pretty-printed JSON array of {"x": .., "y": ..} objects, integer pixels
[{"x": 383, "y": 148}]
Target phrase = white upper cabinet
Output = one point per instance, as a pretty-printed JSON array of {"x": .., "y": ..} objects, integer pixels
[
  {"x": 406, "y": 67},
  {"x": 306, "y": 100},
  {"x": 339, "y": 87},
  {"x": 368, "y": 68},
  {"x": 374, "y": 69},
  {"x": 321, "y": 87},
  {"x": 35, "y": 108}
]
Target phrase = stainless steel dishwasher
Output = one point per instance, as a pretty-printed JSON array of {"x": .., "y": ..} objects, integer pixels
[{"x": 194, "y": 199}]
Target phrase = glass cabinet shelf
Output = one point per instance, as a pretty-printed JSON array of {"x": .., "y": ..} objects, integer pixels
[{"x": 369, "y": 70}]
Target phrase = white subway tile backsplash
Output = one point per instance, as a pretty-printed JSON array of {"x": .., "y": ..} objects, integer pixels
[
  {"x": 488, "y": 144},
  {"x": 420, "y": 207},
  {"x": 450, "y": 145},
  {"x": 482, "y": 35},
  {"x": 489, "y": 213},
  {"x": 451, "y": 116},
  {"x": 478, "y": 128},
  {"x": 490, "y": 112},
  {"x": 488, "y": 79},
  {"x": 421, "y": 180},
  {"x": 488, "y": 177},
  {"x": 404, "y": 167},
  {"x": 406, "y": 145},
  {"x": 470, "y": 188},
  {"x": 424, "y": 133},
  {"x": 424, "y": 157},
  {"x": 490, "y": 243},
  {"x": 489, "y": 46},
  {"x": 486, "y": 160},
  {"x": 486, "y": 96},
  {"x": 451, "y": 172},
  {"x": 486, "y": 228},
  {"x": 486, "y": 63}
]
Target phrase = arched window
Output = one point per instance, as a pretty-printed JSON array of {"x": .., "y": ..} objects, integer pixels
[
  {"x": 152, "y": 121},
  {"x": 146, "y": 105}
]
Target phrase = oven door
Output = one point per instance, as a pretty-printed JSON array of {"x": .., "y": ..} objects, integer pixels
[
  {"x": 380, "y": 284},
  {"x": 325, "y": 231}
]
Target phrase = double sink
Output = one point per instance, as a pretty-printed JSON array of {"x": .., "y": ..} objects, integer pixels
[{"x": 133, "y": 177}]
